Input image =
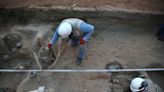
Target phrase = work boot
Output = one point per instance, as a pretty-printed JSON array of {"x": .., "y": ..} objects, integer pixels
[{"x": 79, "y": 61}]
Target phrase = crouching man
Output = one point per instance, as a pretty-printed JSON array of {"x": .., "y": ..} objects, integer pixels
[{"x": 78, "y": 31}]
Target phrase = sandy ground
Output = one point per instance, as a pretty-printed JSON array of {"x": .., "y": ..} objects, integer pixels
[
  {"x": 131, "y": 43},
  {"x": 144, "y": 5}
]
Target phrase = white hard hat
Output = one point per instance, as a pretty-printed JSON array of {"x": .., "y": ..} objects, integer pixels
[
  {"x": 64, "y": 29},
  {"x": 137, "y": 84}
]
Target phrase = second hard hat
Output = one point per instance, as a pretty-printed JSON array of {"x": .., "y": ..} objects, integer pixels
[{"x": 137, "y": 84}]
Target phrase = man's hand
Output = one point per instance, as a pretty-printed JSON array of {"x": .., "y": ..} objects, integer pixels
[
  {"x": 49, "y": 45},
  {"x": 82, "y": 42}
]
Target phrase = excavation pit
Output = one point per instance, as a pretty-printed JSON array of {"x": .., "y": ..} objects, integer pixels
[{"x": 118, "y": 37}]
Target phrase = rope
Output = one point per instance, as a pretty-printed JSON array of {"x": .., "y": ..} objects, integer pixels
[{"x": 89, "y": 70}]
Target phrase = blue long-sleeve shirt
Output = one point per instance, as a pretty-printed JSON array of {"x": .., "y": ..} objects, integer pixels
[{"x": 77, "y": 24}]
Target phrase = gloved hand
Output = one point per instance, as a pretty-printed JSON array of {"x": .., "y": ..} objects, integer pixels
[
  {"x": 49, "y": 45},
  {"x": 82, "y": 41}
]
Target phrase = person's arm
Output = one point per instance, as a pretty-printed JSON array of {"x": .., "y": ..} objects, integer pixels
[
  {"x": 54, "y": 39},
  {"x": 87, "y": 29}
]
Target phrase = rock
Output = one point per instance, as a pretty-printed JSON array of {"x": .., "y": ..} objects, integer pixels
[
  {"x": 40, "y": 89},
  {"x": 12, "y": 40},
  {"x": 50, "y": 90},
  {"x": 19, "y": 45},
  {"x": 21, "y": 67},
  {"x": 33, "y": 74},
  {"x": 118, "y": 88},
  {"x": 85, "y": 90},
  {"x": 6, "y": 57}
]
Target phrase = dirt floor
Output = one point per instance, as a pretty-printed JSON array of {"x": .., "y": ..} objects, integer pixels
[
  {"x": 126, "y": 39},
  {"x": 144, "y": 5},
  {"x": 131, "y": 43}
]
